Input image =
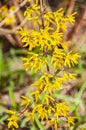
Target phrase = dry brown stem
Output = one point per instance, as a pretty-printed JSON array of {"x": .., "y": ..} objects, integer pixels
[
  {"x": 4, "y": 31},
  {"x": 71, "y": 7},
  {"x": 42, "y": 9},
  {"x": 19, "y": 13},
  {"x": 11, "y": 39}
]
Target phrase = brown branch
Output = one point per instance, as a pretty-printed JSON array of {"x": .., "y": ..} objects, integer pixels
[
  {"x": 15, "y": 11},
  {"x": 42, "y": 9},
  {"x": 11, "y": 39},
  {"x": 21, "y": 113},
  {"x": 71, "y": 7},
  {"x": 17, "y": 38},
  {"x": 4, "y": 31},
  {"x": 19, "y": 13},
  {"x": 42, "y": 20}
]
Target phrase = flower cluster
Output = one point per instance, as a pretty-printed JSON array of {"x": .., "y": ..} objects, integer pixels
[
  {"x": 46, "y": 49},
  {"x": 13, "y": 119}
]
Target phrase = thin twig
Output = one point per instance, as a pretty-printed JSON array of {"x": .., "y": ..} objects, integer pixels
[
  {"x": 42, "y": 9},
  {"x": 4, "y": 31},
  {"x": 42, "y": 20},
  {"x": 19, "y": 13},
  {"x": 11, "y": 39},
  {"x": 21, "y": 113},
  {"x": 71, "y": 7}
]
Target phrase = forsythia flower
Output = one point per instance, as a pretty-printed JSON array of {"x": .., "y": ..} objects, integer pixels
[
  {"x": 71, "y": 121},
  {"x": 34, "y": 62},
  {"x": 53, "y": 123},
  {"x": 5, "y": 12},
  {"x": 47, "y": 98},
  {"x": 29, "y": 116},
  {"x": 62, "y": 109},
  {"x": 48, "y": 54},
  {"x": 71, "y": 59},
  {"x": 26, "y": 101},
  {"x": 12, "y": 120},
  {"x": 41, "y": 111},
  {"x": 58, "y": 57},
  {"x": 36, "y": 94},
  {"x": 31, "y": 11}
]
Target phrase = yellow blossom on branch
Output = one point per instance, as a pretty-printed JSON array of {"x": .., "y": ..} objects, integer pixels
[
  {"x": 26, "y": 101},
  {"x": 71, "y": 121},
  {"x": 7, "y": 13},
  {"x": 41, "y": 111},
  {"x": 13, "y": 122},
  {"x": 13, "y": 119},
  {"x": 71, "y": 59},
  {"x": 36, "y": 94},
  {"x": 49, "y": 55},
  {"x": 29, "y": 116}
]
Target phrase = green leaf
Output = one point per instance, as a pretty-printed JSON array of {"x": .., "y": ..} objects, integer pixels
[
  {"x": 11, "y": 94},
  {"x": 33, "y": 127},
  {"x": 23, "y": 123},
  {"x": 2, "y": 65},
  {"x": 2, "y": 119},
  {"x": 41, "y": 127},
  {"x": 56, "y": 72},
  {"x": 83, "y": 87}
]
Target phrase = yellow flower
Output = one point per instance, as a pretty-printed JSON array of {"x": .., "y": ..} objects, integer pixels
[
  {"x": 36, "y": 1},
  {"x": 26, "y": 101},
  {"x": 56, "y": 39},
  {"x": 61, "y": 110},
  {"x": 49, "y": 17},
  {"x": 13, "y": 119},
  {"x": 29, "y": 116},
  {"x": 50, "y": 110},
  {"x": 42, "y": 42},
  {"x": 47, "y": 99},
  {"x": 71, "y": 18},
  {"x": 65, "y": 45},
  {"x": 58, "y": 57},
  {"x": 44, "y": 38},
  {"x": 68, "y": 76},
  {"x": 71, "y": 59},
  {"x": 54, "y": 123},
  {"x": 34, "y": 62},
  {"x": 11, "y": 19},
  {"x": 44, "y": 82},
  {"x": 36, "y": 94},
  {"x": 41, "y": 111},
  {"x": 10, "y": 112},
  {"x": 29, "y": 38},
  {"x": 5, "y": 12},
  {"x": 71, "y": 121},
  {"x": 36, "y": 20},
  {"x": 30, "y": 11}
]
